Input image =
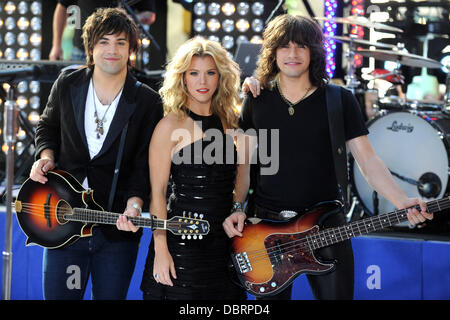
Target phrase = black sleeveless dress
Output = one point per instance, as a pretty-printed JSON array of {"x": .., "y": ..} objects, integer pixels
[{"x": 198, "y": 186}]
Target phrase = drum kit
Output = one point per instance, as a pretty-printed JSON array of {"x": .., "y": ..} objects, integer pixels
[{"x": 411, "y": 136}]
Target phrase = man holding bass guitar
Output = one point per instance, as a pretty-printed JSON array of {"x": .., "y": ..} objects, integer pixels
[
  {"x": 97, "y": 124},
  {"x": 292, "y": 72}
]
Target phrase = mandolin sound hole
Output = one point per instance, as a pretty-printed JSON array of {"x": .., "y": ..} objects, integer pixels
[{"x": 62, "y": 208}]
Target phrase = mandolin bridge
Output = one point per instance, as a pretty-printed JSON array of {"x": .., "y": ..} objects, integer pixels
[
  {"x": 18, "y": 206},
  {"x": 243, "y": 262}
]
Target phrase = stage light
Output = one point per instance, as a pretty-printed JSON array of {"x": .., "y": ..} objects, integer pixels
[
  {"x": 228, "y": 42},
  {"x": 258, "y": 8},
  {"x": 329, "y": 30},
  {"x": 213, "y": 25},
  {"x": 21, "y": 39},
  {"x": 34, "y": 117},
  {"x": 357, "y": 9},
  {"x": 199, "y": 9},
  {"x": 228, "y": 25},
  {"x": 10, "y": 7},
  {"x": 230, "y": 22},
  {"x": 214, "y": 9},
  {"x": 243, "y": 8},
  {"x": 228, "y": 9}
]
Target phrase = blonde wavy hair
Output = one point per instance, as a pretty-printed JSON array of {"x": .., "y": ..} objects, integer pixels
[{"x": 174, "y": 93}]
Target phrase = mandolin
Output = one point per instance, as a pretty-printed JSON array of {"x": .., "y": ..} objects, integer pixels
[{"x": 61, "y": 211}]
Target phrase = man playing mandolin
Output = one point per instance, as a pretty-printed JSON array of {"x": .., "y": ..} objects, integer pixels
[
  {"x": 294, "y": 101},
  {"x": 89, "y": 112}
]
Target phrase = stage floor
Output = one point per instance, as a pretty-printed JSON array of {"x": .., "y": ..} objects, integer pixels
[{"x": 386, "y": 268}]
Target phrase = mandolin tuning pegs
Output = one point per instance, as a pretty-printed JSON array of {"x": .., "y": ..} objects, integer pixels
[
  {"x": 184, "y": 214},
  {"x": 195, "y": 215},
  {"x": 200, "y": 237},
  {"x": 194, "y": 237},
  {"x": 201, "y": 216}
]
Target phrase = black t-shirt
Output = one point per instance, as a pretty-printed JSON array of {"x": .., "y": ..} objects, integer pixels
[
  {"x": 87, "y": 7},
  {"x": 306, "y": 173}
]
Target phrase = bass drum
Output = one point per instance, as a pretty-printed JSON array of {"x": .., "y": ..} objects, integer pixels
[{"x": 415, "y": 148}]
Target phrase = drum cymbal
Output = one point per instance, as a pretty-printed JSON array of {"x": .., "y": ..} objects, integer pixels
[
  {"x": 363, "y": 42},
  {"x": 361, "y": 21},
  {"x": 404, "y": 58}
]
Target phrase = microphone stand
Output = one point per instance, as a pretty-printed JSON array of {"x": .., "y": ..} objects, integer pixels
[
  {"x": 139, "y": 24},
  {"x": 9, "y": 130},
  {"x": 280, "y": 3}
]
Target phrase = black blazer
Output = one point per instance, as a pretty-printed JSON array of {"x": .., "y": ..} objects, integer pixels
[{"x": 61, "y": 128}]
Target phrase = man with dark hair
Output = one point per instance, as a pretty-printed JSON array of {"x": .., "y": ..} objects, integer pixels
[
  {"x": 83, "y": 9},
  {"x": 87, "y": 114},
  {"x": 294, "y": 102}
]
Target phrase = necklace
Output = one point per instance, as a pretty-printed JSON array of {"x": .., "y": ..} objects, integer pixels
[
  {"x": 99, "y": 122},
  {"x": 290, "y": 104}
]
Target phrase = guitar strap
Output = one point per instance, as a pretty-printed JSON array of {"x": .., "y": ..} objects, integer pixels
[
  {"x": 337, "y": 134},
  {"x": 118, "y": 161}
]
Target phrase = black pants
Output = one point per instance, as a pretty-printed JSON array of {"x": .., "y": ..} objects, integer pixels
[{"x": 335, "y": 285}]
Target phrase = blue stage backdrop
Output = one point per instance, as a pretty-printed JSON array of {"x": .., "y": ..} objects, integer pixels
[{"x": 385, "y": 268}]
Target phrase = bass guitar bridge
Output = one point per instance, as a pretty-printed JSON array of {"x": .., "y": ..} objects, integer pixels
[{"x": 243, "y": 262}]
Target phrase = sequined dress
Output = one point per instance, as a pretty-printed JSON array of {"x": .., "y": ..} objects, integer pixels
[{"x": 199, "y": 186}]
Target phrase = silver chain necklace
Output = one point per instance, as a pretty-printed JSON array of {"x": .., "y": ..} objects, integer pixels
[{"x": 99, "y": 122}]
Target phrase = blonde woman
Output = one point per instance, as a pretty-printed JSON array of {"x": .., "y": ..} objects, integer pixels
[{"x": 191, "y": 146}]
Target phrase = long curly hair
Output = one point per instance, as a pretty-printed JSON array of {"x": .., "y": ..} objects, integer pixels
[
  {"x": 174, "y": 93},
  {"x": 279, "y": 32}
]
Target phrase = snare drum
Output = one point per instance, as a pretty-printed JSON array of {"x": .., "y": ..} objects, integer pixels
[{"x": 415, "y": 147}]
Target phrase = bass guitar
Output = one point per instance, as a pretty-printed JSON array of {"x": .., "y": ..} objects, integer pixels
[
  {"x": 271, "y": 255},
  {"x": 60, "y": 211}
]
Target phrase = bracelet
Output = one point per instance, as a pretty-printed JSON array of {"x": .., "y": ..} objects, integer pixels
[
  {"x": 138, "y": 207},
  {"x": 237, "y": 206}
]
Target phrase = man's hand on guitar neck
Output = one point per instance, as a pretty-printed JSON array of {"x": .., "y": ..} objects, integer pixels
[
  {"x": 415, "y": 216},
  {"x": 133, "y": 209}
]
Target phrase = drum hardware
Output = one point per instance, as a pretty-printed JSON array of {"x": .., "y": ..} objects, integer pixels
[
  {"x": 352, "y": 39},
  {"x": 354, "y": 207},
  {"x": 425, "y": 84},
  {"x": 351, "y": 80},
  {"x": 375, "y": 201},
  {"x": 395, "y": 76},
  {"x": 395, "y": 136},
  {"x": 429, "y": 185},
  {"x": 446, "y": 105},
  {"x": 360, "y": 21},
  {"x": 402, "y": 58}
]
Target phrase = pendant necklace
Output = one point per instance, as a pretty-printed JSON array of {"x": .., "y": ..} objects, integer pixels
[
  {"x": 99, "y": 122},
  {"x": 290, "y": 104}
]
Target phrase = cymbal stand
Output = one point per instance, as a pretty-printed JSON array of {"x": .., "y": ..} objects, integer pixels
[
  {"x": 351, "y": 80},
  {"x": 446, "y": 106}
]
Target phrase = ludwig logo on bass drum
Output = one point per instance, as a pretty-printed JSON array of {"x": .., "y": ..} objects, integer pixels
[{"x": 400, "y": 127}]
